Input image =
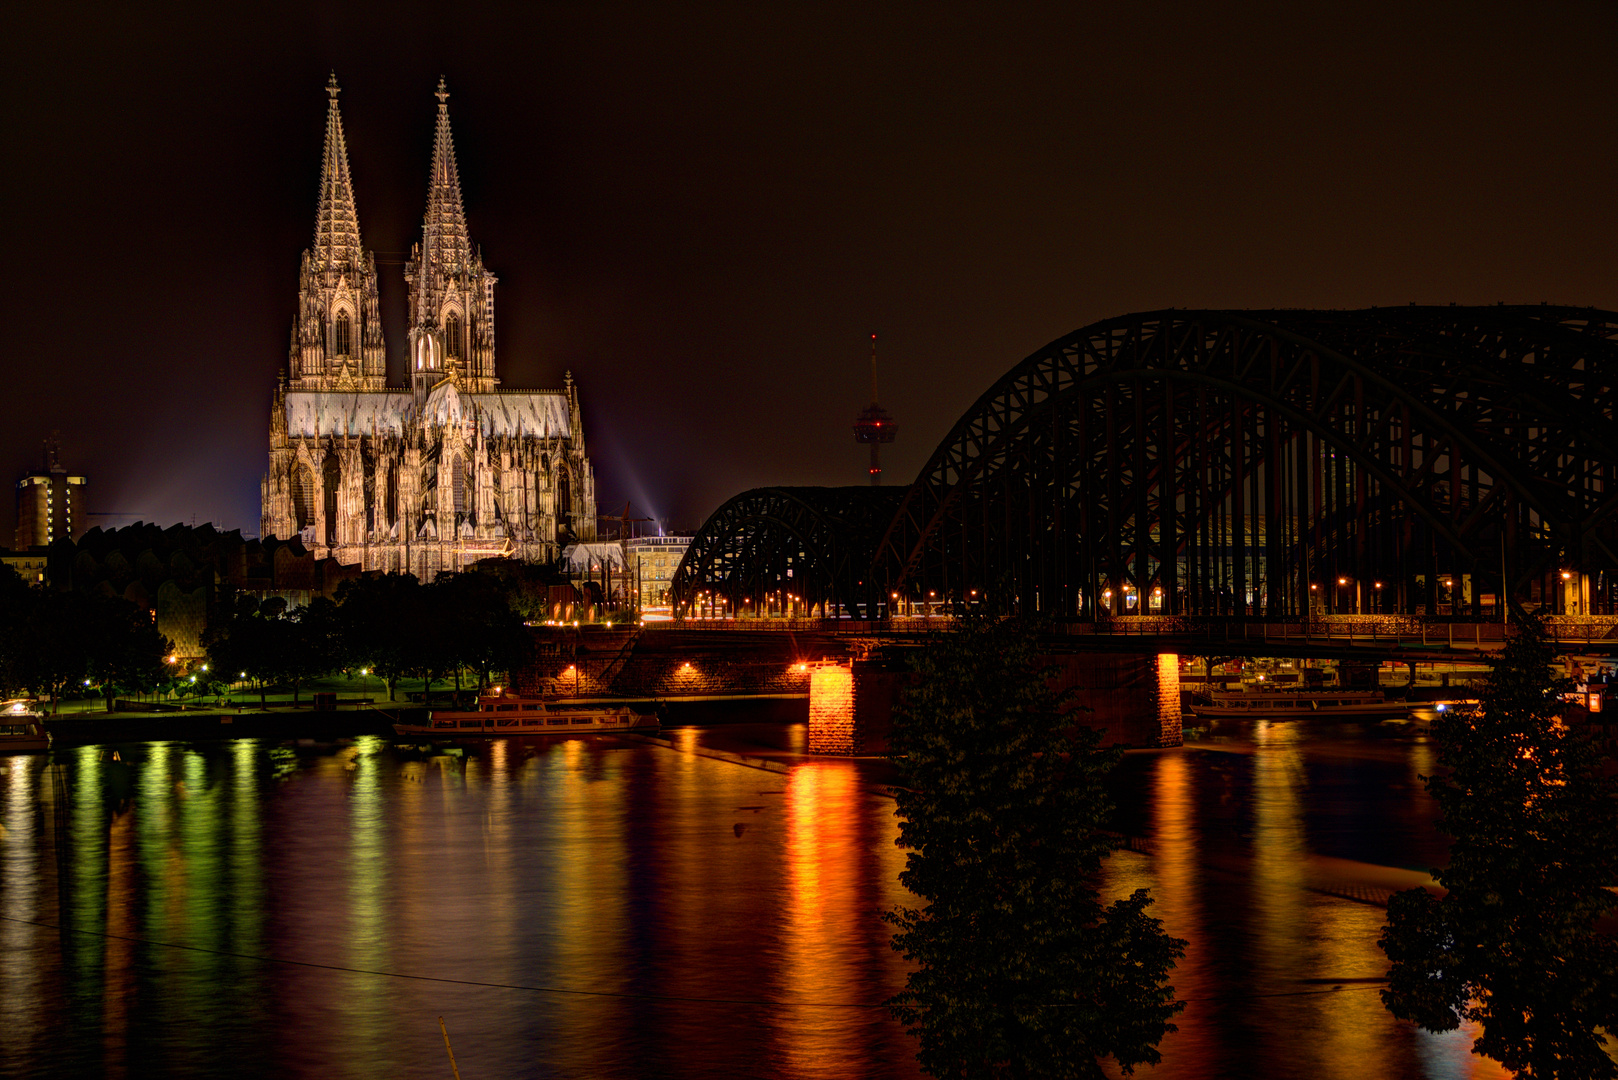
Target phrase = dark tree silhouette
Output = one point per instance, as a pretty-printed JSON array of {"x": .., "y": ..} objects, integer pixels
[
  {"x": 1512, "y": 944},
  {"x": 1021, "y": 970}
]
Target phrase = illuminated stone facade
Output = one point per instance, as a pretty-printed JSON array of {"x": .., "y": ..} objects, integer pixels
[
  {"x": 442, "y": 472},
  {"x": 652, "y": 562}
]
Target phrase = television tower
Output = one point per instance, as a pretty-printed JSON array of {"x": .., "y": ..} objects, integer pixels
[{"x": 874, "y": 425}]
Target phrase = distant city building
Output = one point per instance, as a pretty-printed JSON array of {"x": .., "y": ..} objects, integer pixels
[
  {"x": 32, "y": 565},
  {"x": 443, "y": 472},
  {"x": 50, "y": 503},
  {"x": 651, "y": 562}
]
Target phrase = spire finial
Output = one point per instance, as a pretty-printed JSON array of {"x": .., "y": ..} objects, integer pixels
[
  {"x": 441, "y": 94},
  {"x": 331, "y": 86}
]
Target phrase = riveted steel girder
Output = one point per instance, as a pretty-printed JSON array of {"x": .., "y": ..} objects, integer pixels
[{"x": 1257, "y": 461}]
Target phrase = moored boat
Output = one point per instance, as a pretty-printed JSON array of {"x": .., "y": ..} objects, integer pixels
[
  {"x": 504, "y": 714},
  {"x": 22, "y": 727},
  {"x": 1298, "y": 705}
]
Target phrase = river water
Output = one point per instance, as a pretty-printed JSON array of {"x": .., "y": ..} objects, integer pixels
[{"x": 599, "y": 907}]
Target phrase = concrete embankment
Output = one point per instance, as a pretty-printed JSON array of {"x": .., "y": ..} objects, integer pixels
[{"x": 87, "y": 730}]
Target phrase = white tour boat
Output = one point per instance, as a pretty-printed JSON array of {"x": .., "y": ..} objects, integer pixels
[
  {"x": 1298, "y": 705},
  {"x": 22, "y": 727},
  {"x": 502, "y": 714}
]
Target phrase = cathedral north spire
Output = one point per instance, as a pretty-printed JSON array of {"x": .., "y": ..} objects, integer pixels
[{"x": 337, "y": 341}]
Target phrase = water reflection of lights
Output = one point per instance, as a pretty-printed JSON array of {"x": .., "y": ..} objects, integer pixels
[
  {"x": 823, "y": 870},
  {"x": 19, "y": 902},
  {"x": 1177, "y": 891}
]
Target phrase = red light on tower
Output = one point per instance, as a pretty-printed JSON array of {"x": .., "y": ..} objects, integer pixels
[{"x": 874, "y": 425}]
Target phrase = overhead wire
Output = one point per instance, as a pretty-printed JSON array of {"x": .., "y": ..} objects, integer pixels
[{"x": 615, "y": 994}]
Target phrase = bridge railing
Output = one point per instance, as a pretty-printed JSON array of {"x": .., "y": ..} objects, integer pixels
[{"x": 1428, "y": 630}]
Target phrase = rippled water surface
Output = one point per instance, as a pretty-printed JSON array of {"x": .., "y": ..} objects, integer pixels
[{"x": 592, "y": 907}]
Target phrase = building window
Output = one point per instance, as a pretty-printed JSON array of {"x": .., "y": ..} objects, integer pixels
[
  {"x": 303, "y": 496},
  {"x": 452, "y": 335},
  {"x": 342, "y": 338},
  {"x": 333, "y": 479}
]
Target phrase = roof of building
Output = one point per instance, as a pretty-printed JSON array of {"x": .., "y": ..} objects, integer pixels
[{"x": 317, "y": 413}]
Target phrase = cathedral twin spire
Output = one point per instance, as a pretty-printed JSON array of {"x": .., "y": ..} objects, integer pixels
[
  {"x": 338, "y": 341},
  {"x": 451, "y": 295},
  {"x": 337, "y": 224}
]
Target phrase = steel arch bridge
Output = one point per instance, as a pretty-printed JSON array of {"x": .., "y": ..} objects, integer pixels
[
  {"x": 1269, "y": 463},
  {"x": 786, "y": 550}
]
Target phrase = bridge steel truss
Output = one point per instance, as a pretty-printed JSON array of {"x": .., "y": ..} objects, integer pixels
[
  {"x": 1274, "y": 463},
  {"x": 785, "y": 550}
]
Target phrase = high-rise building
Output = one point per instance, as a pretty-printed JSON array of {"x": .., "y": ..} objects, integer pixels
[
  {"x": 50, "y": 503},
  {"x": 450, "y": 468}
]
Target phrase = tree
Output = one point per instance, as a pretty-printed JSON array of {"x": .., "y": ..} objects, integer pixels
[
  {"x": 55, "y": 651},
  {"x": 249, "y": 640},
  {"x": 125, "y": 650},
  {"x": 379, "y": 617},
  {"x": 17, "y": 600},
  {"x": 1512, "y": 945},
  {"x": 308, "y": 643},
  {"x": 486, "y": 634},
  {"x": 1021, "y": 971}
]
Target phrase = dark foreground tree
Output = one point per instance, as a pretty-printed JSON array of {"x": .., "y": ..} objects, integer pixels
[
  {"x": 1512, "y": 944},
  {"x": 1021, "y": 971}
]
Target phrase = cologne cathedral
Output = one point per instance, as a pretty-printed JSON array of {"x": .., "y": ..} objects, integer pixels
[{"x": 442, "y": 472}]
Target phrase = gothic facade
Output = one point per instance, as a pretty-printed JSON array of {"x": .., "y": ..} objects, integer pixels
[{"x": 448, "y": 469}]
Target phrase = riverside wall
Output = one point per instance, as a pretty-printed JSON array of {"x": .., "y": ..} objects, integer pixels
[{"x": 852, "y": 684}]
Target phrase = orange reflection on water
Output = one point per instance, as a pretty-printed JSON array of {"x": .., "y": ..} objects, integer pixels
[
  {"x": 823, "y": 869},
  {"x": 1177, "y": 891}
]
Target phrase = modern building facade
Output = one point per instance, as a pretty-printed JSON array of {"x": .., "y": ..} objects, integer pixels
[
  {"x": 448, "y": 469},
  {"x": 50, "y": 503}
]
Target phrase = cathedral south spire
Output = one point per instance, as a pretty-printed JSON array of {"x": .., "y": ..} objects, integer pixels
[
  {"x": 337, "y": 343},
  {"x": 451, "y": 294}
]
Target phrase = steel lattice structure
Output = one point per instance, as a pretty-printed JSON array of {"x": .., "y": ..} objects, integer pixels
[
  {"x": 784, "y": 550},
  {"x": 1247, "y": 462}
]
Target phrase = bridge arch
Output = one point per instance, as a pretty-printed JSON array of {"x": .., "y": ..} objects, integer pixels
[
  {"x": 1226, "y": 462},
  {"x": 786, "y": 549}
]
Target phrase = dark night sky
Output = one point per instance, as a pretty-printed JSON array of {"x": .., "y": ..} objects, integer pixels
[{"x": 704, "y": 210}]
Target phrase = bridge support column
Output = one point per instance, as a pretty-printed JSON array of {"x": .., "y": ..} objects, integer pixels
[
  {"x": 1132, "y": 699},
  {"x": 851, "y": 707}
]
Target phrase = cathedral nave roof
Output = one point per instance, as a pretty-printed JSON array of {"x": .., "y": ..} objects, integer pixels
[{"x": 532, "y": 413}]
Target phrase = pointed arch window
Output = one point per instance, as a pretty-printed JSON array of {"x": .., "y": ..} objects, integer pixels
[
  {"x": 332, "y": 477},
  {"x": 393, "y": 496},
  {"x": 342, "y": 336},
  {"x": 458, "y": 482},
  {"x": 452, "y": 335},
  {"x": 303, "y": 497}
]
